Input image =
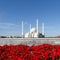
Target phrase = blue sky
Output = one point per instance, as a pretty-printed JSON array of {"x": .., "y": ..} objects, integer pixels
[{"x": 12, "y": 12}]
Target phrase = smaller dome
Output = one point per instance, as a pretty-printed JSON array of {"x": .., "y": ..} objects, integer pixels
[
  {"x": 27, "y": 34},
  {"x": 36, "y": 34}
]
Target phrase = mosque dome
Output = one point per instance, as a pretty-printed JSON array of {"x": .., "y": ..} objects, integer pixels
[
  {"x": 32, "y": 30},
  {"x": 36, "y": 34},
  {"x": 27, "y": 34}
]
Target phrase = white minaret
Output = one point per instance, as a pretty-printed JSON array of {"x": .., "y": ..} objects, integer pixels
[
  {"x": 22, "y": 29},
  {"x": 37, "y": 25},
  {"x": 30, "y": 27},
  {"x": 42, "y": 28}
]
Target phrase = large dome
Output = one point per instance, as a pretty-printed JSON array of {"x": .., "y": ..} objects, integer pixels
[{"x": 32, "y": 30}]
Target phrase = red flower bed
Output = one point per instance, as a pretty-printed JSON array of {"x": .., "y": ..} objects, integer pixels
[{"x": 25, "y": 52}]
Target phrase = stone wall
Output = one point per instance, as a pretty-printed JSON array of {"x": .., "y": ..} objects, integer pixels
[{"x": 29, "y": 41}]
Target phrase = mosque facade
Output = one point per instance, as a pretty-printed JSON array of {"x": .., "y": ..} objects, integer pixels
[{"x": 33, "y": 33}]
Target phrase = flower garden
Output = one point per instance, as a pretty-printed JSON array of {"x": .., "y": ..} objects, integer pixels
[{"x": 25, "y": 52}]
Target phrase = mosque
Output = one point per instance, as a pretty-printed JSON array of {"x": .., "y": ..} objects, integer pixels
[{"x": 33, "y": 33}]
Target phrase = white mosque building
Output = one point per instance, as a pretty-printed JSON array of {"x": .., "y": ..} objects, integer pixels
[{"x": 33, "y": 33}]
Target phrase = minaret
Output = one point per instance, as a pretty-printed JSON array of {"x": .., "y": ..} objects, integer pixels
[
  {"x": 22, "y": 29},
  {"x": 30, "y": 32},
  {"x": 42, "y": 28},
  {"x": 37, "y": 25},
  {"x": 30, "y": 27}
]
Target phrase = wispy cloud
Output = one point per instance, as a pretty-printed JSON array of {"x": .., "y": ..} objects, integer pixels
[{"x": 8, "y": 26}]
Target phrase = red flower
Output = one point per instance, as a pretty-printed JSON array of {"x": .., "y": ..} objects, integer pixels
[
  {"x": 19, "y": 58},
  {"x": 25, "y": 52}
]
